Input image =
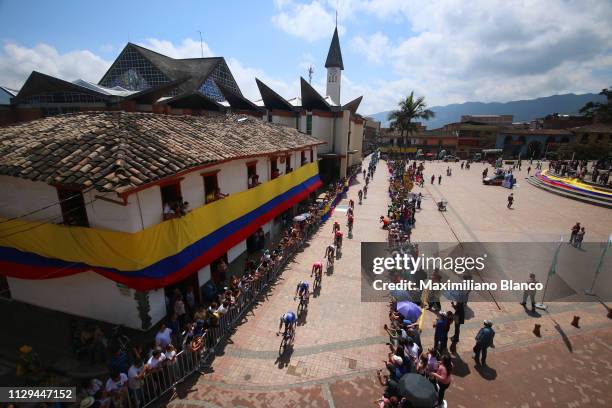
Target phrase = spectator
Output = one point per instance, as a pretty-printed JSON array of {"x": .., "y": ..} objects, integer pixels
[
  {"x": 163, "y": 337},
  {"x": 442, "y": 376},
  {"x": 156, "y": 360},
  {"x": 136, "y": 375},
  {"x": 530, "y": 292},
  {"x": 116, "y": 387},
  {"x": 580, "y": 237},
  {"x": 484, "y": 340}
]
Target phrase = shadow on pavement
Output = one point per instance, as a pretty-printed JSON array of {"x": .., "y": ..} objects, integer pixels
[
  {"x": 284, "y": 359},
  {"x": 486, "y": 372},
  {"x": 460, "y": 367},
  {"x": 564, "y": 337},
  {"x": 301, "y": 320},
  {"x": 533, "y": 313}
]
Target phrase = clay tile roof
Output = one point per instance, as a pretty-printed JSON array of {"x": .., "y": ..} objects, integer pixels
[{"x": 118, "y": 151}]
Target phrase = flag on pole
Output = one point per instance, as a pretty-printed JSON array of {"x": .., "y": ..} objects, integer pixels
[
  {"x": 553, "y": 265},
  {"x": 603, "y": 255}
]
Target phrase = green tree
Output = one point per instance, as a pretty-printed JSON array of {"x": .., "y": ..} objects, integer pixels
[
  {"x": 410, "y": 108},
  {"x": 601, "y": 110}
]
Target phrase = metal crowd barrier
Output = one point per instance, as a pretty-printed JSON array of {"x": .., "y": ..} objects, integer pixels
[{"x": 157, "y": 383}]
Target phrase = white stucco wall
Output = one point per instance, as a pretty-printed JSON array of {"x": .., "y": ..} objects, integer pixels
[
  {"x": 204, "y": 275},
  {"x": 342, "y": 127},
  {"x": 323, "y": 129},
  {"x": 19, "y": 196},
  {"x": 89, "y": 295},
  {"x": 149, "y": 201},
  {"x": 109, "y": 215},
  {"x": 284, "y": 120}
]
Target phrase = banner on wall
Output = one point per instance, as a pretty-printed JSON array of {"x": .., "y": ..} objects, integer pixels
[{"x": 156, "y": 256}]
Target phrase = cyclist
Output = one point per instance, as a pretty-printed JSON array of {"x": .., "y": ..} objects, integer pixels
[
  {"x": 317, "y": 270},
  {"x": 350, "y": 223},
  {"x": 364, "y": 173},
  {"x": 351, "y": 204},
  {"x": 289, "y": 320},
  {"x": 330, "y": 253},
  {"x": 360, "y": 194},
  {"x": 302, "y": 290},
  {"x": 338, "y": 239},
  {"x": 365, "y": 191},
  {"x": 336, "y": 227},
  {"x": 349, "y": 212},
  {"x": 367, "y": 180}
]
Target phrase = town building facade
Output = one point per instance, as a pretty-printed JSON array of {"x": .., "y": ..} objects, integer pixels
[{"x": 109, "y": 210}]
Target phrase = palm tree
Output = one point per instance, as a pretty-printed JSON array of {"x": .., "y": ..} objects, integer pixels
[
  {"x": 410, "y": 108},
  {"x": 602, "y": 111}
]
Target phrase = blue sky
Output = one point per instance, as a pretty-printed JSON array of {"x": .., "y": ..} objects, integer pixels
[{"x": 448, "y": 50}]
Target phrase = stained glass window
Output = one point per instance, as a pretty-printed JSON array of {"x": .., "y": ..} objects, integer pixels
[
  {"x": 60, "y": 97},
  {"x": 134, "y": 72}
]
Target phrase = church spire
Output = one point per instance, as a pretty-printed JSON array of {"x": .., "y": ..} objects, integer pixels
[{"x": 334, "y": 56}]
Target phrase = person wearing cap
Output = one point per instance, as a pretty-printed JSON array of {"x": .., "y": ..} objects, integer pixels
[
  {"x": 396, "y": 367},
  {"x": 530, "y": 292},
  {"x": 484, "y": 340}
]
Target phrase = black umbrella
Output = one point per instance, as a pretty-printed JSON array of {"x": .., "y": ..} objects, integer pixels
[{"x": 417, "y": 389}]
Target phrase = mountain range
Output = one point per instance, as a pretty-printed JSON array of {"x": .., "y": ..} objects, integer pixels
[{"x": 523, "y": 111}]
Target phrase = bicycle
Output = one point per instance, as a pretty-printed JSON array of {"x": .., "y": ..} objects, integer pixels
[
  {"x": 287, "y": 340},
  {"x": 303, "y": 304},
  {"x": 317, "y": 281}
]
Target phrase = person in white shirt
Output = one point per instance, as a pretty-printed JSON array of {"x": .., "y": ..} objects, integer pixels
[
  {"x": 412, "y": 349},
  {"x": 116, "y": 382},
  {"x": 163, "y": 336},
  {"x": 116, "y": 386},
  {"x": 156, "y": 360},
  {"x": 136, "y": 374},
  {"x": 171, "y": 361}
]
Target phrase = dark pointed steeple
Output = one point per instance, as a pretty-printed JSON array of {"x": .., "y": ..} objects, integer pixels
[{"x": 334, "y": 56}]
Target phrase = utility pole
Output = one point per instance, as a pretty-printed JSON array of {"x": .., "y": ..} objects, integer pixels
[{"x": 201, "y": 44}]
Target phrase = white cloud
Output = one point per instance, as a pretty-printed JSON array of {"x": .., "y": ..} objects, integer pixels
[
  {"x": 488, "y": 50},
  {"x": 188, "y": 48},
  {"x": 310, "y": 21},
  {"x": 17, "y": 62},
  {"x": 245, "y": 76},
  {"x": 374, "y": 47}
]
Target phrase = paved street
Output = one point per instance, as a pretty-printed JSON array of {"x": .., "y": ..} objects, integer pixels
[{"x": 341, "y": 342}]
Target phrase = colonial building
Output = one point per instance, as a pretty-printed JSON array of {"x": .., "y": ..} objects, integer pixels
[
  {"x": 141, "y": 80},
  {"x": 531, "y": 143},
  {"x": 371, "y": 135},
  {"x": 106, "y": 209}
]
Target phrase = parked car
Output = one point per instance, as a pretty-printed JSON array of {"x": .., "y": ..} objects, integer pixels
[
  {"x": 494, "y": 180},
  {"x": 451, "y": 159}
]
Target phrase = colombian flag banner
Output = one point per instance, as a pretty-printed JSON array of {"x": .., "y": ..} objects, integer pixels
[{"x": 156, "y": 256}]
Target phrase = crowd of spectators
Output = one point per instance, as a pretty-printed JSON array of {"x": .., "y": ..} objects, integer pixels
[{"x": 192, "y": 327}]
